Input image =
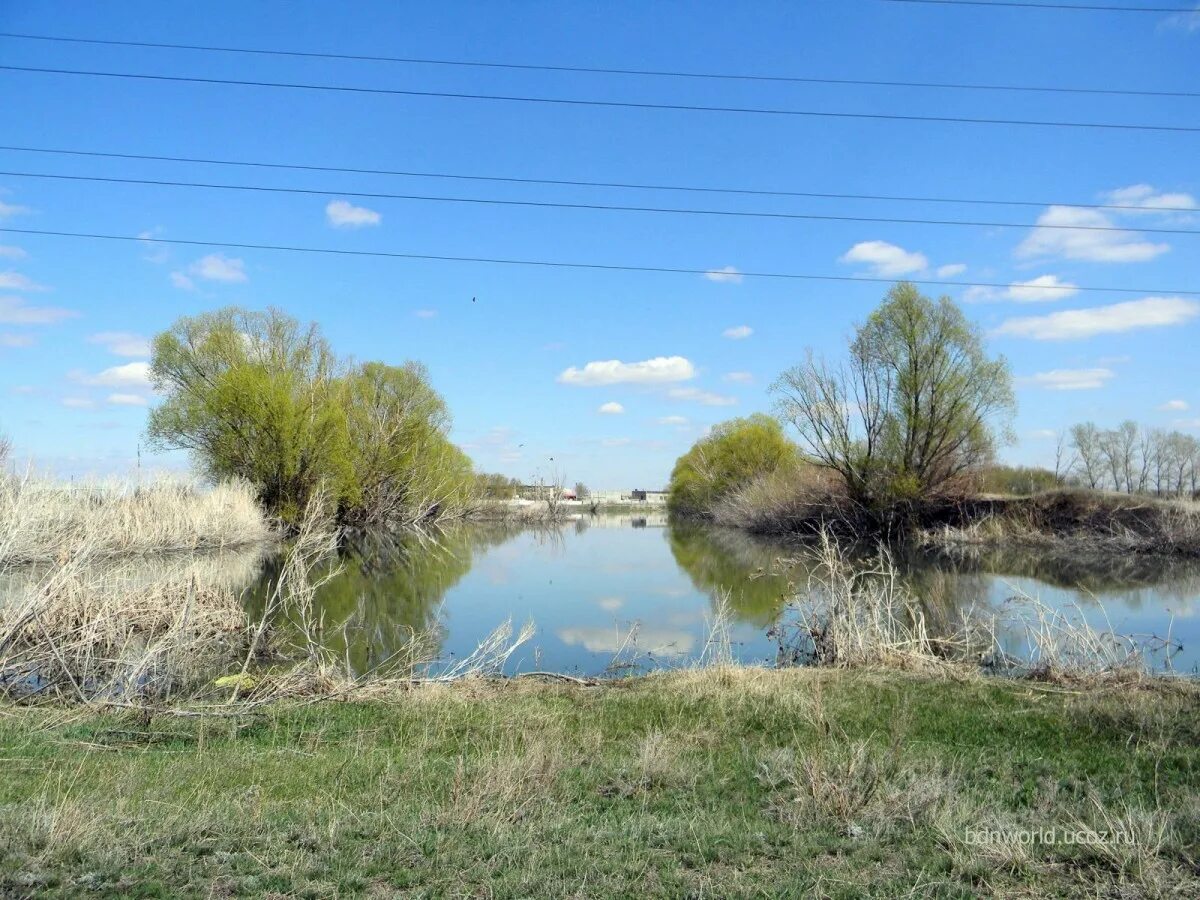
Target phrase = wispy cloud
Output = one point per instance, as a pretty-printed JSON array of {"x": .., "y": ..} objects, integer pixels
[
  {"x": 121, "y": 343},
  {"x": 726, "y": 275},
  {"x": 951, "y": 270},
  {"x": 738, "y": 377},
  {"x": 214, "y": 267},
  {"x": 738, "y": 332},
  {"x": 341, "y": 214},
  {"x": 129, "y": 375},
  {"x": 425, "y": 313},
  {"x": 15, "y": 311},
  {"x": 1042, "y": 289},
  {"x": 1070, "y": 379},
  {"x": 1174, "y": 406},
  {"x": 659, "y": 370},
  {"x": 126, "y": 400},
  {"x": 14, "y": 341},
  {"x": 1075, "y": 324},
  {"x": 7, "y": 251},
  {"x": 885, "y": 260},
  {"x": 78, "y": 402},
  {"x": 11, "y": 209},
  {"x": 1076, "y": 234},
  {"x": 612, "y": 408},
  {"x": 673, "y": 420},
  {"x": 1145, "y": 199},
  {"x": 696, "y": 395},
  {"x": 1184, "y": 21},
  {"x": 15, "y": 281}
]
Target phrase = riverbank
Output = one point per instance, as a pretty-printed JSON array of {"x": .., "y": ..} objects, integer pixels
[
  {"x": 716, "y": 782},
  {"x": 1073, "y": 519}
]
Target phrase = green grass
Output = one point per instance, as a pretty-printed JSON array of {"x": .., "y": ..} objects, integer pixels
[{"x": 714, "y": 783}]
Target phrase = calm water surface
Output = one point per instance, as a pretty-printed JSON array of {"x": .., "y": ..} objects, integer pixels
[{"x": 635, "y": 588}]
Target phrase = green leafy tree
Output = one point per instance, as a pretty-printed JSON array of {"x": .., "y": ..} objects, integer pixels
[
  {"x": 404, "y": 465},
  {"x": 254, "y": 395},
  {"x": 258, "y": 396},
  {"x": 918, "y": 404},
  {"x": 730, "y": 456}
]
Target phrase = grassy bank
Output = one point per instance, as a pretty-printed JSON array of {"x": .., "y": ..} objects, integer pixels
[
  {"x": 54, "y": 521},
  {"x": 807, "y": 503},
  {"x": 723, "y": 782}
]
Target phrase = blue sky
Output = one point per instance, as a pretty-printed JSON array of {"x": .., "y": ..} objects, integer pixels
[{"x": 527, "y": 367}]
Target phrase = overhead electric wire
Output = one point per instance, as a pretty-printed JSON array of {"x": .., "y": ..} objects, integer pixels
[
  {"x": 547, "y": 204},
  {"x": 608, "y": 104},
  {"x": 555, "y": 264},
  {"x": 562, "y": 182},
  {"x": 1023, "y": 4},
  {"x": 594, "y": 70}
]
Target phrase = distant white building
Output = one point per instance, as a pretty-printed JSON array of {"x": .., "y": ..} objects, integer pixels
[{"x": 649, "y": 498}]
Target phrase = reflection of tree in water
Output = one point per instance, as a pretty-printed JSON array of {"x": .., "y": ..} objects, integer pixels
[
  {"x": 1140, "y": 579},
  {"x": 388, "y": 591},
  {"x": 720, "y": 560}
]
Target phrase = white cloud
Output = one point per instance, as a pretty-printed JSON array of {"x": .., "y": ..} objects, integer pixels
[
  {"x": 738, "y": 377},
  {"x": 214, "y": 267},
  {"x": 1152, "y": 312},
  {"x": 8, "y": 339},
  {"x": 610, "y": 604},
  {"x": 1174, "y": 406},
  {"x": 1140, "y": 196},
  {"x": 1074, "y": 237},
  {"x": 884, "y": 259},
  {"x": 15, "y": 281},
  {"x": 182, "y": 282},
  {"x": 130, "y": 375},
  {"x": 425, "y": 313},
  {"x": 77, "y": 403},
  {"x": 708, "y": 398},
  {"x": 219, "y": 267},
  {"x": 659, "y": 370},
  {"x": 7, "y": 251},
  {"x": 949, "y": 271},
  {"x": 341, "y": 214},
  {"x": 597, "y": 639},
  {"x": 1043, "y": 434},
  {"x": 616, "y": 442},
  {"x": 126, "y": 400},
  {"x": 1042, "y": 289},
  {"x": 611, "y": 409},
  {"x": 121, "y": 343},
  {"x": 673, "y": 420},
  {"x": 738, "y": 332},
  {"x": 15, "y": 311},
  {"x": 727, "y": 275},
  {"x": 1070, "y": 379},
  {"x": 9, "y": 209}
]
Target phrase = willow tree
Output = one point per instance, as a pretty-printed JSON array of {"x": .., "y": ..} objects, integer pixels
[
  {"x": 729, "y": 457},
  {"x": 254, "y": 395},
  {"x": 404, "y": 465},
  {"x": 917, "y": 404}
]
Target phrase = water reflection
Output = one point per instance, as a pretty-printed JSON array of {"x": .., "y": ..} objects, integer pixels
[{"x": 636, "y": 586}]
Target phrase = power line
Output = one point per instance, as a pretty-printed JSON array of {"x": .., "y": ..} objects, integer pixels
[
  {"x": 1072, "y": 6},
  {"x": 596, "y": 70},
  {"x": 561, "y": 182},
  {"x": 609, "y": 104},
  {"x": 546, "y": 204},
  {"x": 553, "y": 264}
]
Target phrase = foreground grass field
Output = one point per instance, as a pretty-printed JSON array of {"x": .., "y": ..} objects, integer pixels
[{"x": 719, "y": 782}]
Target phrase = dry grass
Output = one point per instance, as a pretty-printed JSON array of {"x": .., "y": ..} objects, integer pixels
[{"x": 47, "y": 521}]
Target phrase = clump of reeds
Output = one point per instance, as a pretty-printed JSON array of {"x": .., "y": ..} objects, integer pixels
[
  {"x": 854, "y": 611},
  {"x": 73, "y": 634},
  {"x": 44, "y": 520}
]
